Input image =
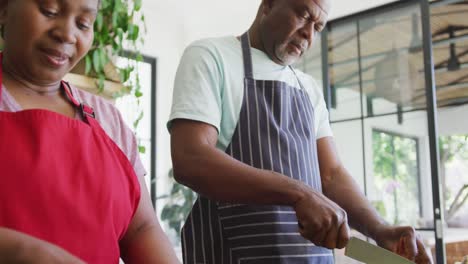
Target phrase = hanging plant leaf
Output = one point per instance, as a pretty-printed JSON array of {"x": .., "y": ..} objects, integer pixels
[
  {"x": 120, "y": 35},
  {"x": 99, "y": 21},
  {"x": 137, "y": 5},
  {"x": 117, "y": 25},
  {"x": 115, "y": 19},
  {"x": 96, "y": 61},
  {"x": 142, "y": 149},
  {"x": 88, "y": 64},
  {"x": 135, "y": 123},
  {"x": 138, "y": 94},
  {"x": 125, "y": 74},
  {"x": 133, "y": 31},
  {"x": 106, "y": 36},
  {"x": 139, "y": 57},
  {"x": 117, "y": 5},
  {"x": 101, "y": 83},
  {"x": 103, "y": 58}
]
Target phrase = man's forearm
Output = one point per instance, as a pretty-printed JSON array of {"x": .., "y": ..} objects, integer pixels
[
  {"x": 342, "y": 189},
  {"x": 220, "y": 177}
]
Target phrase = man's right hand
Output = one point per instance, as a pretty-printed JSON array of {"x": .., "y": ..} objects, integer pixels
[{"x": 322, "y": 221}]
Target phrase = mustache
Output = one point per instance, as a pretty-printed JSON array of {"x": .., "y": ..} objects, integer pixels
[{"x": 302, "y": 45}]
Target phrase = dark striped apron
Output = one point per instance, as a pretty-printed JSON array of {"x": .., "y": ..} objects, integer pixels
[{"x": 275, "y": 132}]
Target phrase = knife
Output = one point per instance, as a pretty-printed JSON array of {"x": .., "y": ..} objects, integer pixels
[{"x": 368, "y": 253}]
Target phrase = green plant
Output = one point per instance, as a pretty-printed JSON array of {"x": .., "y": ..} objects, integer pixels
[
  {"x": 452, "y": 148},
  {"x": 380, "y": 207},
  {"x": 396, "y": 176},
  {"x": 119, "y": 27},
  {"x": 179, "y": 203}
]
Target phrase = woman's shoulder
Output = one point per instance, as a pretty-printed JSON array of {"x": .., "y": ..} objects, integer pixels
[
  {"x": 111, "y": 120},
  {"x": 99, "y": 104}
]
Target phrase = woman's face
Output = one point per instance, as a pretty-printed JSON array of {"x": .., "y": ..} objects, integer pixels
[{"x": 44, "y": 39}]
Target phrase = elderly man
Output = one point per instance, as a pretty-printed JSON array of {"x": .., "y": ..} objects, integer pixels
[{"x": 251, "y": 135}]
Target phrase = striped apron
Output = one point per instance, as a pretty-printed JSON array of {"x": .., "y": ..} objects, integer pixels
[{"x": 275, "y": 132}]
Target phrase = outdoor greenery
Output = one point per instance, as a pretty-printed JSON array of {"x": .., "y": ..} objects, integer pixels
[
  {"x": 397, "y": 178},
  {"x": 451, "y": 149}
]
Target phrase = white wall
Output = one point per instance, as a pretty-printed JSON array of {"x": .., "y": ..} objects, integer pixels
[{"x": 164, "y": 41}]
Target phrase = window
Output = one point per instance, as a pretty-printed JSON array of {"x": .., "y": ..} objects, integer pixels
[
  {"x": 396, "y": 177},
  {"x": 453, "y": 168},
  {"x": 144, "y": 111}
]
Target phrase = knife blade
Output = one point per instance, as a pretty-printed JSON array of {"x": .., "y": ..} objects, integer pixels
[{"x": 368, "y": 253}]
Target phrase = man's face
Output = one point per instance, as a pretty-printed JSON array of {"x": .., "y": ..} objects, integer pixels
[
  {"x": 288, "y": 27},
  {"x": 44, "y": 39}
]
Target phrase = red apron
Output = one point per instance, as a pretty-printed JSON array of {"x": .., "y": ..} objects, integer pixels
[{"x": 65, "y": 181}]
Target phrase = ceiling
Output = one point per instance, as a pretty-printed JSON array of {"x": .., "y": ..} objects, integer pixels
[{"x": 392, "y": 58}]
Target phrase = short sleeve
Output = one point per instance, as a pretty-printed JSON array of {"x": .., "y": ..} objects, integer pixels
[
  {"x": 197, "y": 88},
  {"x": 322, "y": 121}
]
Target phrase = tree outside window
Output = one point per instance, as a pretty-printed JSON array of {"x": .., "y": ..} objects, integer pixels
[
  {"x": 453, "y": 172},
  {"x": 396, "y": 177}
]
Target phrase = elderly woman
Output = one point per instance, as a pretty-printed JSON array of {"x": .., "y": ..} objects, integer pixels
[{"x": 72, "y": 186}]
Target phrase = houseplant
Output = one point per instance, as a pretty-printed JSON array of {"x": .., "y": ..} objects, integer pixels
[
  {"x": 119, "y": 27},
  {"x": 178, "y": 205}
]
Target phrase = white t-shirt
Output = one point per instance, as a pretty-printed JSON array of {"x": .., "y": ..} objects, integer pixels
[{"x": 209, "y": 86}]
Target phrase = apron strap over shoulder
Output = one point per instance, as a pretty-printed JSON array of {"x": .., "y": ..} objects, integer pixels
[
  {"x": 248, "y": 68},
  {"x": 1, "y": 75},
  {"x": 86, "y": 110}
]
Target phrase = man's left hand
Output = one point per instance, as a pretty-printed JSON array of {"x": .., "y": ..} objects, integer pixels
[{"x": 403, "y": 241}]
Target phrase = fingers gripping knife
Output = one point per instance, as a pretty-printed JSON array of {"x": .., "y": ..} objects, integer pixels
[{"x": 371, "y": 254}]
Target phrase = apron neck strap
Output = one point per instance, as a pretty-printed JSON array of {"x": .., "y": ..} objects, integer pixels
[
  {"x": 247, "y": 55},
  {"x": 1, "y": 75},
  {"x": 86, "y": 110},
  {"x": 69, "y": 93},
  {"x": 297, "y": 77},
  {"x": 247, "y": 58}
]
